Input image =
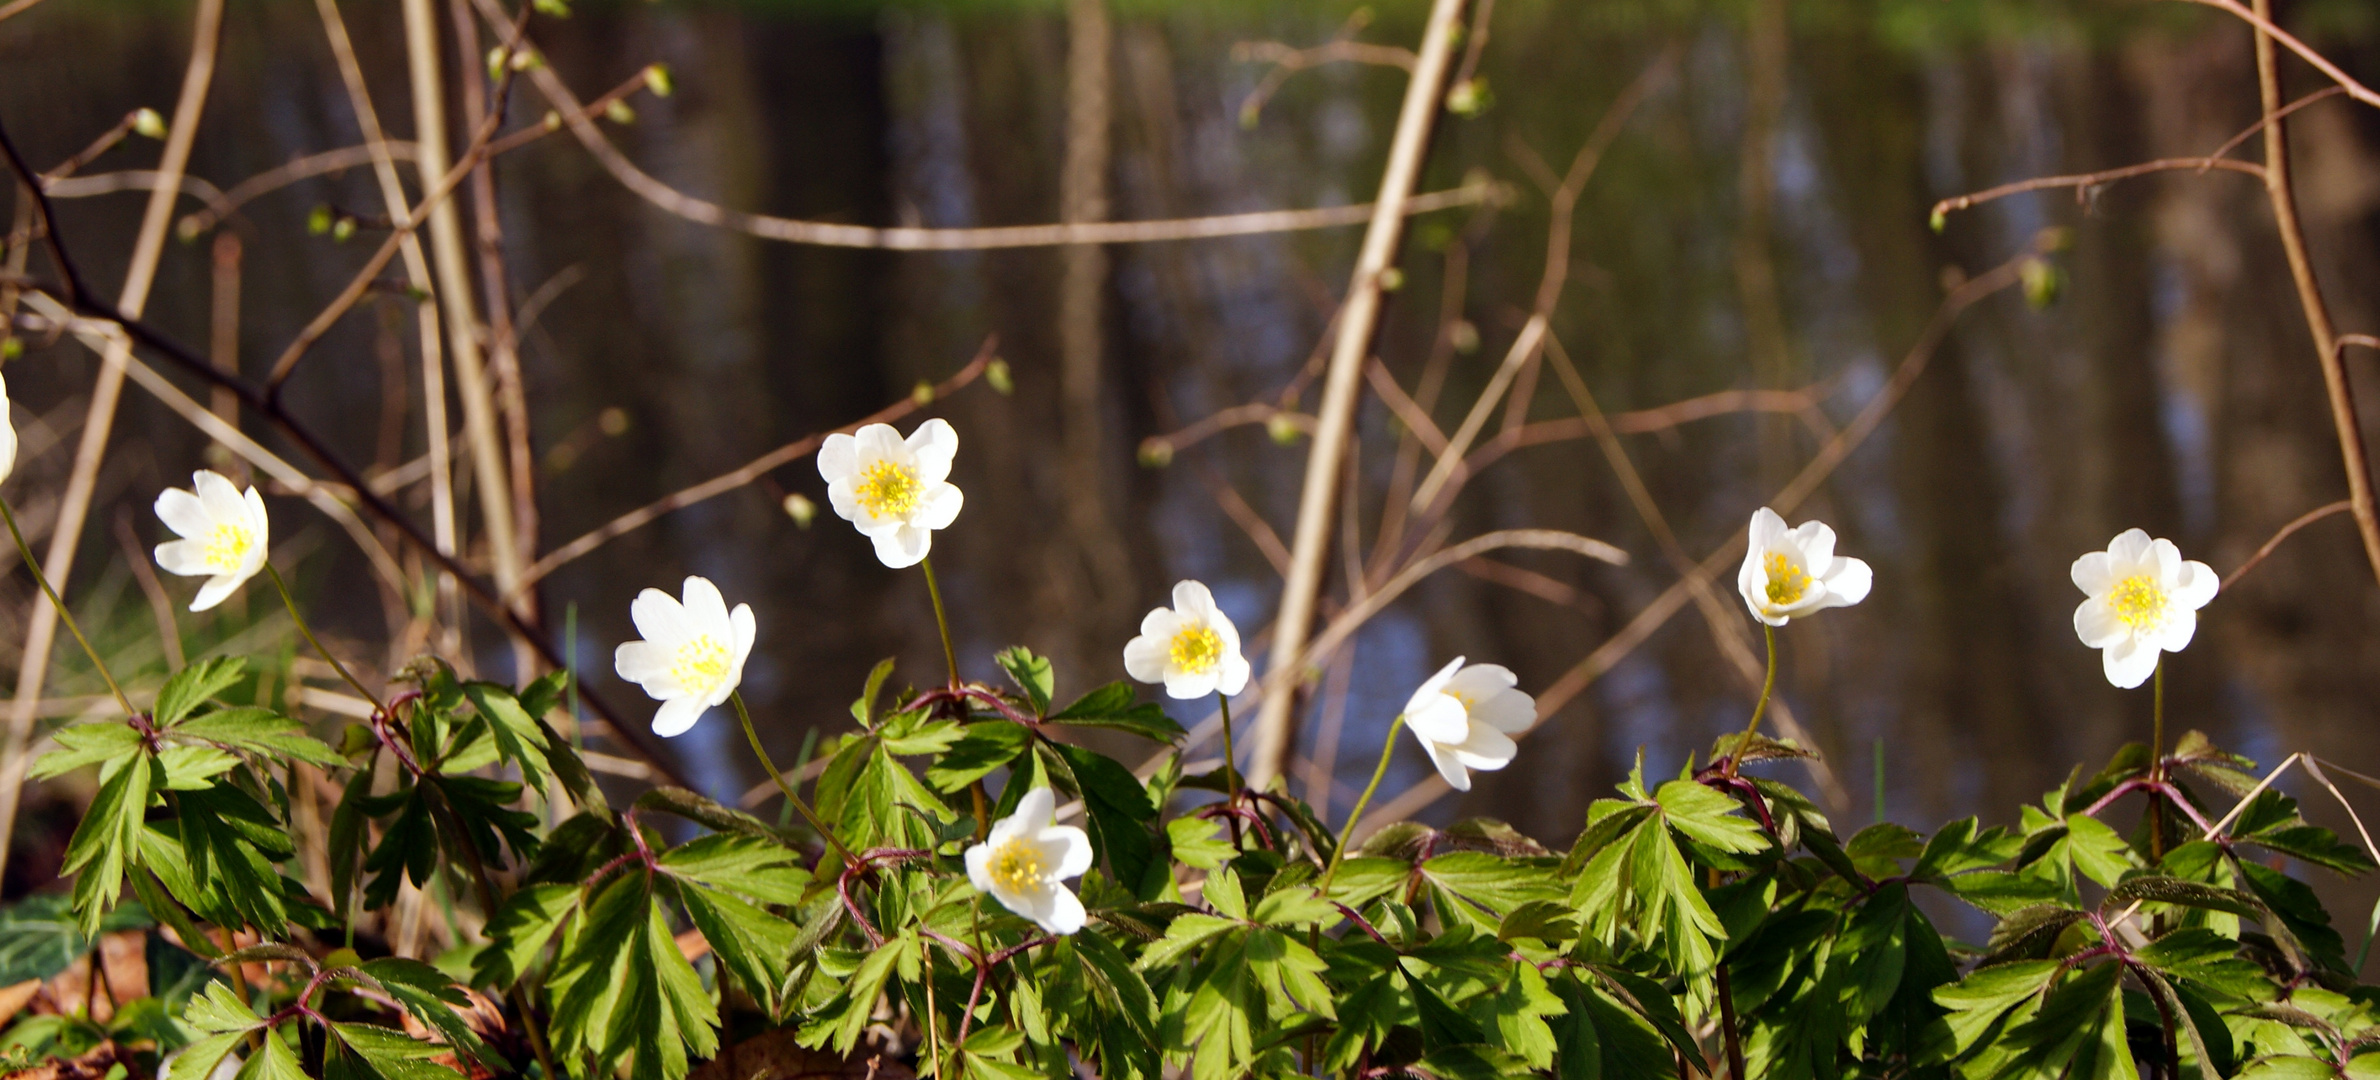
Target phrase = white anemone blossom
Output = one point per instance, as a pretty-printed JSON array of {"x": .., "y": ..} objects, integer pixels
[
  {"x": 8, "y": 435},
  {"x": 896, "y": 491},
  {"x": 1191, "y": 647},
  {"x": 2143, "y": 601},
  {"x": 223, "y": 533},
  {"x": 1025, "y": 857},
  {"x": 1790, "y": 573},
  {"x": 1466, "y": 717},
  {"x": 692, "y": 655}
]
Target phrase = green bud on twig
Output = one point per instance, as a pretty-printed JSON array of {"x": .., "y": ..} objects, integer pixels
[
  {"x": 1155, "y": 452},
  {"x": 2042, "y": 280},
  {"x": 496, "y": 60},
  {"x": 1469, "y": 97},
  {"x": 1391, "y": 279},
  {"x": 618, "y": 112},
  {"x": 657, "y": 80},
  {"x": 996, "y": 373},
  {"x": 923, "y": 395},
  {"x": 147, "y": 123},
  {"x": 318, "y": 221},
  {"x": 1283, "y": 427},
  {"x": 11, "y": 347},
  {"x": 556, "y": 8},
  {"x": 799, "y": 507},
  {"x": 1940, "y": 220},
  {"x": 1464, "y": 336}
]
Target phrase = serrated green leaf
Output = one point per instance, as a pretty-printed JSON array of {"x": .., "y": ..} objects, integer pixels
[
  {"x": 982, "y": 747},
  {"x": 1031, "y": 674},
  {"x": 259, "y": 731},
  {"x": 85, "y": 744},
  {"x": 192, "y": 686},
  {"x": 761, "y": 869},
  {"x": 1117, "y": 706},
  {"x": 515, "y": 731}
]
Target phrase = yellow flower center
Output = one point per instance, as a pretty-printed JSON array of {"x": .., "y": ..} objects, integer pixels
[
  {"x": 1197, "y": 649},
  {"x": 887, "y": 490},
  {"x": 227, "y": 546},
  {"x": 701, "y": 662},
  {"x": 2138, "y": 602},
  {"x": 1786, "y": 582},
  {"x": 1016, "y": 866}
]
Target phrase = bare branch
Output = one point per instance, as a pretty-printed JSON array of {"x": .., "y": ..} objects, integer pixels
[
  {"x": 2302, "y": 520},
  {"x": 2082, "y": 182}
]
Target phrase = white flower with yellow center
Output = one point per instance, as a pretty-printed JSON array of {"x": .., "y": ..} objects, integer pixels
[
  {"x": 693, "y": 653},
  {"x": 1466, "y": 717},
  {"x": 896, "y": 491},
  {"x": 8, "y": 435},
  {"x": 1025, "y": 857},
  {"x": 224, "y": 534},
  {"x": 1191, "y": 647},
  {"x": 1790, "y": 573},
  {"x": 2144, "y": 601}
]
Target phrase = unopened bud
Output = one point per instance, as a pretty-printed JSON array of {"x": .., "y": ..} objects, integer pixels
[
  {"x": 556, "y": 8},
  {"x": 342, "y": 227},
  {"x": 922, "y": 393},
  {"x": 1283, "y": 428},
  {"x": 552, "y": 121},
  {"x": 149, "y": 124},
  {"x": 1464, "y": 336},
  {"x": 618, "y": 112},
  {"x": 11, "y": 347},
  {"x": 1391, "y": 279},
  {"x": 612, "y": 421},
  {"x": 1156, "y": 453},
  {"x": 527, "y": 60},
  {"x": 2042, "y": 280},
  {"x": 997, "y": 374},
  {"x": 1469, "y": 97},
  {"x": 2053, "y": 239},
  {"x": 1940, "y": 220},
  {"x": 801, "y": 510},
  {"x": 657, "y": 80},
  {"x": 496, "y": 59},
  {"x": 318, "y": 221}
]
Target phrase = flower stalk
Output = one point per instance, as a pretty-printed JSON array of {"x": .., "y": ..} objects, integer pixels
[
  {"x": 308, "y": 632},
  {"x": 1388, "y": 747},
  {"x": 791, "y": 798},
  {"x": 32, "y": 565},
  {"x": 941, "y": 621},
  {"x": 1768, "y": 687}
]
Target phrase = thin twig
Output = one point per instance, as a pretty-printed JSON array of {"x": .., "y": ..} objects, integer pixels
[
  {"x": 2263, "y": 23},
  {"x": 2082, "y": 182},
  {"x": 748, "y": 472},
  {"x": 17, "y": 8},
  {"x": 2303, "y": 520}
]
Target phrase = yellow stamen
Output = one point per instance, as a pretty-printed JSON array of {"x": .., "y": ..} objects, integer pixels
[
  {"x": 1786, "y": 582},
  {"x": 1197, "y": 649},
  {"x": 1016, "y": 866},
  {"x": 701, "y": 662},
  {"x": 227, "y": 546},
  {"x": 2138, "y": 602},
  {"x": 887, "y": 490}
]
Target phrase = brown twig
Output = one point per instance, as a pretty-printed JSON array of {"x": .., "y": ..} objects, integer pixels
[
  {"x": 2309, "y": 289},
  {"x": 18, "y": 7},
  {"x": 2082, "y": 182},
  {"x": 105, "y": 142},
  {"x": 2261, "y": 19},
  {"x": 748, "y": 472},
  {"x": 1288, "y": 60},
  {"x": 2302, "y": 520}
]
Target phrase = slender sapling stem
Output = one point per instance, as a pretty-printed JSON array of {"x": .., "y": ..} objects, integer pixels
[
  {"x": 1347, "y": 832},
  {"x": 941, "y": 621},
  {"x": 1768, "y": 686}
]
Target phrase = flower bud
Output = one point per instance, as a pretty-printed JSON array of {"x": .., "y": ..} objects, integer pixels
[
  {"x": 1155, "y": 452},
  {"x": 1283, "y": 427},
  {"x": 1464, "y": 336},
  {"x": 923, "y": 393},
  {"x": 1391, "y": 279},
  {"x": 147, "y": 123},
  {"x": 997, "y": 374},
  {"x": 801, "y": 510},
  {"x": 658, "y": 81},
  {"x": 618, "y": 112}
]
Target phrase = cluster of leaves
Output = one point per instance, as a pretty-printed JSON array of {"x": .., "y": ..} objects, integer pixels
[{"x": 1710, "y": 918}]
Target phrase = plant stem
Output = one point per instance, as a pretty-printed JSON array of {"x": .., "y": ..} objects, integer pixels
[
  {"x": 1347, "y": 831},
  {"x": 1768, "y": 685},
  {"x": 308, "y": 631},
  {"x": 1735, "y": 1046},
  {"x": 1231, "y": 766},
  {"x": 2157, "y": 762},
  {"x": 941, "y": 621},
  {"x": 25, "y": 551},
  {"x": 791, "y": 798}
]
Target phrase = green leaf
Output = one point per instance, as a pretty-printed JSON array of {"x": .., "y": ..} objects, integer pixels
[
  {"x": 198, "y": 1060},
  {"x": 1116, "y": 706},
  {"x": 981, "y": 748},
  {"x": 1031, "y": 674},
  {"x": 520, "y": 931},
  {"x": 220, "y": 1009},
  {"x": 193, "y": 768},
  {"x": 1186, "y": 933},
  {"x": 1988, "y": 994},
  {"x": 516, "y": 733},
  {"x": 102, "y": 845},
  {"x": 765, "y": 871},
  {"x": 1519, "y": 1010},
  {"x": 40, "y": 938},
  {"x": 2180, "y": 893},
  {"x": 85, "y": 744},
  {"x": 274, "y": 1062},
  {"x": 1295, "y": 905},
  {"x": 1198, "y": 842},
  {"x": 2097, "y": 850},
  {"x": 1496, "y": 884},
  {"x": 259, "y": 731},
  {"x": 193, "y": 685},
  {"x": 755, "y": 946},
  {"x": 1117, "y": 987},
  {"x": 1473, "y": 1062},
  {"x": 864, "y": 709},
  {"x": 706, "y": 811},
  {"x": 393, "y": 1055}
]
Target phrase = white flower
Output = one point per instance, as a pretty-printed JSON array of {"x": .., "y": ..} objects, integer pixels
[
  {"x": 1466, "y": 717},
  {"x": 693, "y": 653},
  {"x": 224, "y": 534},
  {"x": 1027, "y": 853},
  {"x": 8, "y": 435},
  {"x": 1191, "y": 647},
  {"x": 1790, "y": 573},
  {"x": 897, "y": 492},
  {"x": 2144, "y": 600}
]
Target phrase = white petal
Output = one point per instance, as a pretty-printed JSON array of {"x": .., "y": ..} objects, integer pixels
[
  {"x": 1508, "y": 711},
  {"x": 1767, "y": 529},
  {"x": 879, "y": 442},
  {"x": 1816, "y": 541},
  {"x": 1068, "y": 849},
  {"x": 1456, "y": 776},
  {"x": 1062, "y": 911},
  {"x": 845, "y": 503},
  {"x": 2168, "y": 562},
  {"x": 2096, "y": 624},
  {"x": 1232, "y": 676},
  {"x": 640, "y": 661},
  {"x": 184, "y": 557},
  {"x": 1439, "y": 719},
  {"x": 2194, "y": 586},
  {"x": 2181, "y": 624},
  {"x": 2129, "y": 662},
  {"x": 1487, "y": 749},
  {"x": 1188, "y": 685},
  {"x": 746, "y": 632},
  {"x": 904, "y": 546},
  {"x": 706, "y": 610},
  {"x": 1192, "y": 599},
  {"x": 1145, "y": 656},
  {"x": 183, "y": 513},
  {"x": 932, "y": 446},
  {"x": 1482, "y": 681},
  {"x": 838, "y": 459},
  {"x": 1848, "y": 582},
  {"x": 258, "y": 520},
  {"x": 1037, "y": 810},
  {"x": 2094, "y": 574},
  {"x": 660, "y": 618},
  {"x": 1432, "y": 685},
  {"x": 217, "y": 589},
  {"x": 2129, "y": 552},
  {"x": 940, "y": 507},
  {"x": 220, "y": 496},
  {"x": 979, "y": 867},
  {"x": 1751, "y": 583},
  {"x": 677, "y": 716}
]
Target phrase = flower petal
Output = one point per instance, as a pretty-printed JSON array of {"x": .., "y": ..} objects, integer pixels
[
  {"x": 677, "y": 716},
  {"x": 1848, "y": 582},
  {"x": 932, "y": 446},
  {"x": 1481, "y": 681},
  {"x": 838, "y": 458},
  {"x": 706, "y": 610},
  {"x": 1037, "y": 810},
  {"x": 1456, "y": 776},
  {"x": 2129, "y": 662},
  {"x": 1433, "y": 685},
  {"x": 1508, "y": 711},
  {"x": 1145, "y": 657},
  {"x": 2194, "y": 586},
  {"x": 1439, "y": 719},
  {"x": 216, "y": 590},
  {"x": 1767, "y": 530},
  {"x": 902, "y": 547},
  {"x": 2129, "y": 552},
  {"x": 1069, "y": 848},
  {"x": 2181, "y": 624},
  {"x": 184, "y": 557},
  {"x": 940, "y": 507},
  {"x": 183, "y": 513},
  {"x": 640, "y": 662},
  {"x": 1232, "y": 676},
  {"x": 1062, "y": 911},
  {"x": 2097, "y": 625},
  {"x": 258, "y": 520},
  {"x": 2168, "y": 561},
  {"x": 1487, "y": 749},
  {"x": 1194, "y": 601},
  {"x": 2094, "y": 574},
  {"x": 879, "y": 442},
  {"x": 660, "y": 618},
  {"x": 1190, "y": 685},
  {"x": 979, "y": 867},
  {"x": 1816, "y": 541},
  {"x": 220, "y": 496},
  {"x": 1751, "y": 583}
]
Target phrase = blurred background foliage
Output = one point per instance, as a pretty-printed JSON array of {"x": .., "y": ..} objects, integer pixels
[{"x": 1761, "y": 222}]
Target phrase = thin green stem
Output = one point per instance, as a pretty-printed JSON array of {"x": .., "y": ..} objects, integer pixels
[
  {"x": 1388, "y": 747},
  {"x": 308, "y": 631},
  {"x": 941, "y": 621},
  {"x": 2157, "y": 724},
  {"x": 791, "y": 799},
  {"x": 1768, "y": 686},
  {"x": 65, "y": 616},
  {"x": 1231, "y": 766}
]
